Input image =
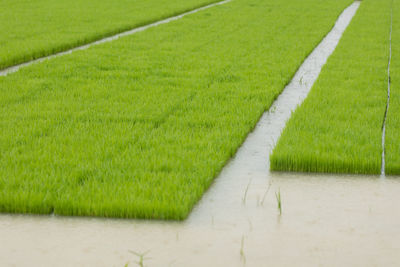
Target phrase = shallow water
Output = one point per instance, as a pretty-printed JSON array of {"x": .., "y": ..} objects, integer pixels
[
  {"x": 329, "y": 220},
  {"x": 326, "y": 220},
  {"x": 388, "y": 94}
]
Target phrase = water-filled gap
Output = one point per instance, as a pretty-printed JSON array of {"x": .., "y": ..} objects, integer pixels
[
  {"x": 251, "y": 162},
  {"x": 388, "y": 95},
  {"x": 15, "y": 68}
]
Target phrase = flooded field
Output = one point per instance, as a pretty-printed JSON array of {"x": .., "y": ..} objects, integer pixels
[{"x": 326, "y": 220}]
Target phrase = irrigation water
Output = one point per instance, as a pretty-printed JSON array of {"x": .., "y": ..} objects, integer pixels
[
  {"x": 388, "y": 95},
  {"x": 329, "y": 220}
]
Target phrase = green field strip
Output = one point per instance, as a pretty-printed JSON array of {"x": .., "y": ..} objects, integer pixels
[
  {"x": 392, "y": 138},
  {"x": 338, "y": 128},
  {"x": 32, "y": 29},
  {"x": 139, "y": 127}
]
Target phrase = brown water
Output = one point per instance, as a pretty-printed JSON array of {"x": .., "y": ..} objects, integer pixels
[{"x": 328, "y": 220}]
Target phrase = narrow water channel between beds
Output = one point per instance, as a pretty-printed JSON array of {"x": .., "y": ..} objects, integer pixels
[
  {"x": 329, "y": 220},
  {"x": 8, "y": 70},
  {"x": 388, "y": 95}
]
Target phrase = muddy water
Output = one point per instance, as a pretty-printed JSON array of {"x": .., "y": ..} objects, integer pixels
[{"x": 328, "y": 220}]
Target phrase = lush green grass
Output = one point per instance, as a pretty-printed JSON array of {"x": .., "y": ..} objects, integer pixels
[
  {"x": 139, "y": 127},
  {"x": 338, "y": 128},
  {"x": 392, "y": 142},
  {"x": 35, "y": 28}
]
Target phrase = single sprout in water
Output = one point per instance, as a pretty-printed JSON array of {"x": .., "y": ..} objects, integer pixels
[
  {"x": 266, "y": 192},
  {"x": 245, "y": 192},
  {"x": 278, "y": 199},
  {"x": 141, "y": 256},
  {"x": 242, "y": 256}
]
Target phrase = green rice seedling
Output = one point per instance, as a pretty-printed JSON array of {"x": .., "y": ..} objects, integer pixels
[
  {"x": 139, "y": 127},
  {"x": 338, "y": 128},
  {"x": 242, "y": 255},
  {"x": 35, "y": 28},
  {"x": 245, "y": 192},
  {"x": 279, "y": 201},
  {"x": 266, "y": 193},
  {"x": 392, "y": 137},
  {"x": 141, "y": 257}
]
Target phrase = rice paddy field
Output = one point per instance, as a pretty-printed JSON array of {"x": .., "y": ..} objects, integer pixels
[
  {"x": 139, "y": 127},
  {"x": 241, "y": 133},
  {"x": 393, "y": 117},
  {"x": 338, "y": 128},
  {"x": 31, "y": 29}
]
